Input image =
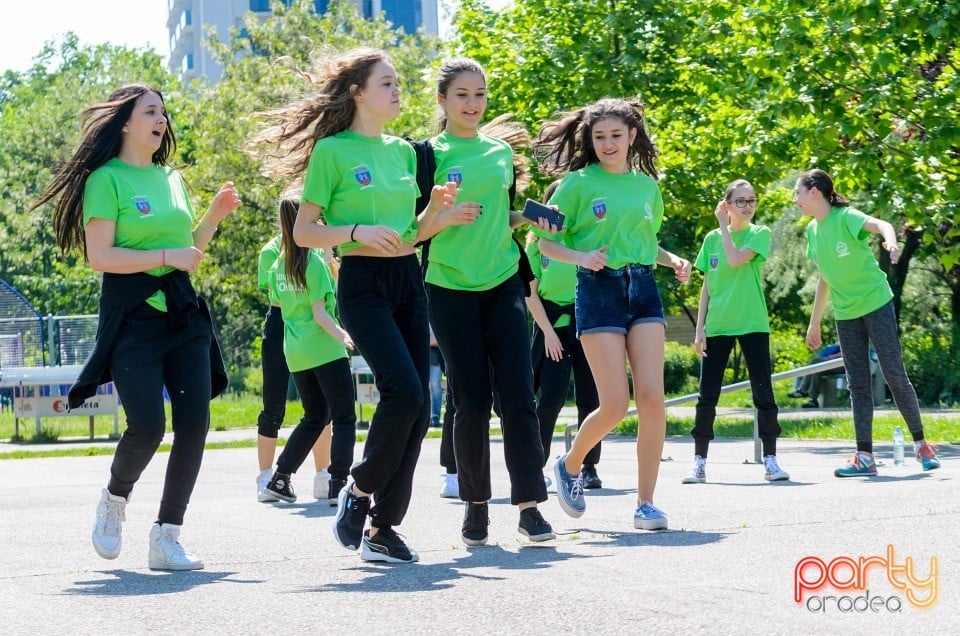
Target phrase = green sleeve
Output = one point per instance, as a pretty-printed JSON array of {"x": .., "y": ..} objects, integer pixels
[
  {"x": 321, "y": 178},
  {"x": 702, "y": 257},
  {"x": 533, "y": 255},
  {"x": 759, "y": 242},
  {"x": 100, "y": 198}
]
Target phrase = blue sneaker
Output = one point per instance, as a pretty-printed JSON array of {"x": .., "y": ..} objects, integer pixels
[
  {"x": 569, "y": 490},
  {"x": 859, "y": 465},
  {"x": 649, "y": 517},
  {"x": 927, "y": 455}
]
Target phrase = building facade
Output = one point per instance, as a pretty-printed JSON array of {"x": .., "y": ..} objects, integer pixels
[{"x": 187, "y": 21}]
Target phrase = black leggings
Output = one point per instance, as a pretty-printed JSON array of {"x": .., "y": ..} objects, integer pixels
[
  {"x": 276, "y": 376},
  {"x": 477, "y": 330},
  {"x": 552, "y": 379},
  {"x": 326, "y": 393},
  {"x": 149, "y": 356},
  {"x": 384, "y": 309},
  {"x": 756, "y": 352}
]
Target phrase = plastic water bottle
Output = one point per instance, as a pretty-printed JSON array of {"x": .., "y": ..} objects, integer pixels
[{"x": 897, "y": 446}]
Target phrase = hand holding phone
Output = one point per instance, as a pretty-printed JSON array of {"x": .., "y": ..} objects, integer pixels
[{"x": 536, "y": 211}]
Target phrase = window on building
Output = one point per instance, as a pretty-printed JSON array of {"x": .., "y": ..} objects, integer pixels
[
  {"x": 320, "y": 6},
  {"x": 259, "y": 5},
  {"x": 188, "y": 62},
  {"x": 368, "y": 8},
  {"x": 187, "y": 17}
]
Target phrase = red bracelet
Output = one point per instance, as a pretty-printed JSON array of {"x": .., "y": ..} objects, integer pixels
[{"x": 163, "y": 258}]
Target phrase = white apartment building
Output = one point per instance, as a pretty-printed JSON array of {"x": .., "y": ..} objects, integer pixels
[{"x": 188, "y": 19}]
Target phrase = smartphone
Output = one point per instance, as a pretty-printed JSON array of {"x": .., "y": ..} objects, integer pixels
[{"x": 536, "y": 211}]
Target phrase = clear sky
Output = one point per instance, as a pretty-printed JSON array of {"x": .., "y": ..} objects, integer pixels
[{"x": 25, "y": 25}]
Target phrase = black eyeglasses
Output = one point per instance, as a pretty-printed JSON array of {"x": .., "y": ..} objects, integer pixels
[{"x": 742, "y": 203}]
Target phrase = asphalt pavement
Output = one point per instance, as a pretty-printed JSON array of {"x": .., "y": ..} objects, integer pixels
[{"x": 728, "y": 562}]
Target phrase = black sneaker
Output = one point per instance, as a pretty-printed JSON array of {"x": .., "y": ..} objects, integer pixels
[
  {"x": 336, "y": 485},
  {"x": 281, "y": 488},
  {"x": 591, "y": 481},
  {"x": 351, "y": 517},
  {"x": 476, "y": 518},
  {"x": 534, "y": 526},
  {"x": 386, "y": 546}
]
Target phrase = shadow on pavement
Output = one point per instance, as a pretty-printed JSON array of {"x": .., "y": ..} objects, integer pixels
[
  {"x": 763, "y": 484},
  {"x": 127, "y": 583},
  {"x": 420, "y": 577},
  {"x": 661, "y": 539}
]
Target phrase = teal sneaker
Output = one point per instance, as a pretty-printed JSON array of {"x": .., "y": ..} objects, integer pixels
[
  {"x": 927, "y": 455},
  {"x": 649, "y": 517},
  {"x": 860, "y": 465}
]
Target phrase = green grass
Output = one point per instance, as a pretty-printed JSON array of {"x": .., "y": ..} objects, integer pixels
[{"x": 234, "y": 412}]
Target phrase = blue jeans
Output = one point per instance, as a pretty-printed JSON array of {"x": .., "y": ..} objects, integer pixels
[{"x": 614, "y": 300}]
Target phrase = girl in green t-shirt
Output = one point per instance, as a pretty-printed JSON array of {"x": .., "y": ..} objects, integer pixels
[
  {"x": 315, "y": 349},
  {"x": 276, "y": 378},
  {"x": 863, "y": 308},
  {"x": 613, "y": 210},
  {"x": 119, "y": 201},
  {"x": 556, "y": 352},
  {"x": 476, "y": 306},
  {"x": 359, "y": 194},
  {"x": 733, "y": 309}
]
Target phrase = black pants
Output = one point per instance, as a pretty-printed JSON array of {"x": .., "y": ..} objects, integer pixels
[
  {"x": 477, "y": 330},
  {"x": 384, "y": 309},
  {"x": 148, "y": 357},
  {"x": 326, "y": 393},
  {"x": 276, "y": 375},
  {"x": 756, "y": 352},
  {"x": 448, "y": 458},
  {"x": 552, "y": 379}
]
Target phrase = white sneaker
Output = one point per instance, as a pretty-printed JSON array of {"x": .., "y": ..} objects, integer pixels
[
  {"x": 451, "y": 487},
  {"x": 321, "y": 484},
  {"x": 108, "y": 527},
  {"x": 166, "y": 553},
  {"x": 263, "y": 478},
  {"x": 697, "y": 473},
  {"x": 772, "y": 470}
]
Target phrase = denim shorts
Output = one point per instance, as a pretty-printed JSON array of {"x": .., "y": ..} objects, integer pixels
[{"x": 614, "y": 300}]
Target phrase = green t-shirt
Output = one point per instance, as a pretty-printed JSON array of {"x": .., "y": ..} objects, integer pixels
[
  {"x": 305, "y": 343},
  {"x": 268, "y": 256},
  {"x": 366, "y": 180},
  {"x": 846, "y": 262},
  {"x": 480, "y": 255},
  {"x": 557, "y": 282},
  {"x": 736, "y": 305},
  {"x": 621, "y": 211},
  {"x": 149, "y": 205}
]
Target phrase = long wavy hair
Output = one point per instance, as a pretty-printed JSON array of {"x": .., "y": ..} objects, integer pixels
[
  {"x": 294, "y": 256},
  {"x": 102, "y": 138},
  {"x": 284, "y": 146},
  {"x": 567, "y": 144},
  {"x": 820, "y": 180}
]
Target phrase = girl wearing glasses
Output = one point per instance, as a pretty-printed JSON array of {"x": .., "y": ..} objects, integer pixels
[
  {"x": 863, "y": 308},
  {"x": 732, "y": 309}
]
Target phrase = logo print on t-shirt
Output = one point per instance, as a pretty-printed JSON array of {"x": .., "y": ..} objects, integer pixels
[
  {"x": 714, "y": 261},
  {"x": 544, "y": 261},
  {"x": 454, "y": 175},
  {"x": 362, "y": 175},
  {"x": 599, "y": 207},
  {"x": 842, "y": 249},
  {"x": 648, "y": 212},
  {"x": 143, "y": 206}
]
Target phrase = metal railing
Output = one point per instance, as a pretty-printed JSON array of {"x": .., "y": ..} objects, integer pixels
[{"x": 817, "y": 367}]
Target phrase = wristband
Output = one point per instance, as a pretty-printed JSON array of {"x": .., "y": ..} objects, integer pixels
[
  {"x": 163, "y": 258},
  {"x": 354, "y": 230}
]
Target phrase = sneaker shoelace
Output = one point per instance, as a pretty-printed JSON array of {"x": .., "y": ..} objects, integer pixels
[
  {"x": 576, "y": 486},
  {"x": 391, "y": 539},
  {"x": 535, "y": 517},
  {"x": 856, "y": 463},
  {"x": 171, "y": 547},
  {"x": 109, "y": 521},
  {"x": 647, "y": 509},
  {"x": 699, "y": 467},
  {"x": 771, "y": 465}
]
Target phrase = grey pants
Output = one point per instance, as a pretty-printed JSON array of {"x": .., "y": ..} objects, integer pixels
[{"x": 878, "y": 328}]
